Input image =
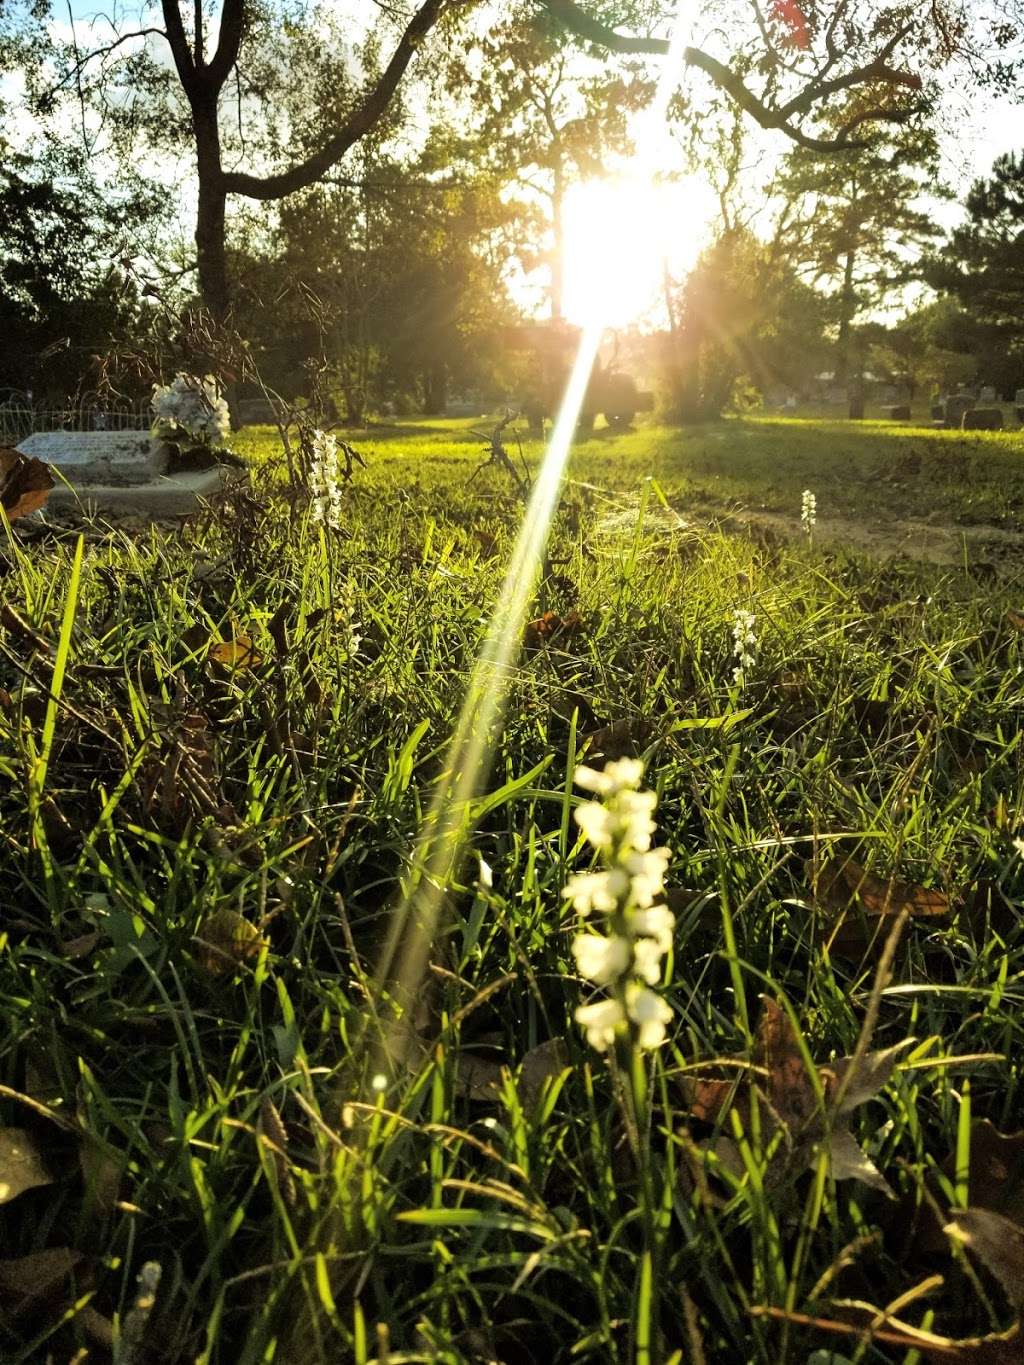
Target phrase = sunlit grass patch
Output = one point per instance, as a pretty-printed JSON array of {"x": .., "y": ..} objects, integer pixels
[{"x": 196, "y": 889}]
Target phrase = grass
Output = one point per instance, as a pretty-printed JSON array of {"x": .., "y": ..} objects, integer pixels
[{"x": 215, "y": 750}]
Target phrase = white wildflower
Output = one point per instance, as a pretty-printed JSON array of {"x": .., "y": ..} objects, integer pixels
[
  {"x": 601, "y": 960},
  {"x": 599, "y": 891},
  {"x": 324, "y": 485},
  {"x": 808, "y": 510},
  {"x": 601, "y": 1021},
  {"x": 647, "y": 874},
  {"x": 744, "y": 640},
  {"x": 649, "y": 1013},
  {"x": 647, "y": 955},
  {"x": 658, "y": 924},
  {"x": 596, "y": 822},
  {"x": 624, "y": 774},
  {"x": 621, "y": 826}
]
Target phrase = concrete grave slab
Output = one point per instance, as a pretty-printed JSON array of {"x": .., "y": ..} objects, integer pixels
[
  {"x": 125, "y": 473},
  {"x": 113, "y": 458}
]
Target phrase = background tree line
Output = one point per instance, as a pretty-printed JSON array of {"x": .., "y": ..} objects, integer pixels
[{"x": 369, "y": 202}]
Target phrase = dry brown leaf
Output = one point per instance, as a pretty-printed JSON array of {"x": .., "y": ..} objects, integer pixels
[
  {"x": 551, "y": 629},
  {"x": 272, "y": 1133},
  {"x": 779, "y": 1074},
  {"x": 25, "y": 483},
  {"x": 541, "y": 1064},
  {"x": 16, "y": 625},
  {"x": 867, "y": 906},
  {"x": 1015, "y": 619},
  {"x": 21, "y": 1165},
  {"x": 620, "y": 739},
  {"x": 999, "y": 1245},
  {"x": 102, "y": 1168},
  {"x": 26, "y": 1281},
  {"x": 227, "y": 941},
  {"x": 76, "y": 948},
  {"x": 238, "y": 652}
]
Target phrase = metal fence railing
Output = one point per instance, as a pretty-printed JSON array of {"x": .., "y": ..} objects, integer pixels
[{"x": 20, "y": 417}]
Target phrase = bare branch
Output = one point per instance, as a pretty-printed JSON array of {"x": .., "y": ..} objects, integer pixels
[
  {"x": 878, "y": 70},
  {"x": 357, "y": 125}
]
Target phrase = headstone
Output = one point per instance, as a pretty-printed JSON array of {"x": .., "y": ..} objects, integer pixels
[
  {"x": 983, "y": 419},
  {"x": 899, "y": 412},
  {"x": 956, "y": 405},
  {"x": 1019, "y": 398},
  {"x": 107, "y": 457},
  {"x": 987, "y": 395},
  {"x": 121, "y": 471},
  {"x": 938, "y": 412}
]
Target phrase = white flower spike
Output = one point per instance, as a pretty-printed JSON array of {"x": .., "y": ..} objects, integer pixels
[{"x": 627, "y": 960}]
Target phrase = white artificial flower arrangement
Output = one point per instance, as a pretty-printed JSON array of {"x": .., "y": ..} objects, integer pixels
[
  {"x": 626, "y": 960},
  {"x": 191, "y": 411}
]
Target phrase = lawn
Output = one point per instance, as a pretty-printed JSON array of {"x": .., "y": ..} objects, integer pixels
[{"x": 217, "y": 746}]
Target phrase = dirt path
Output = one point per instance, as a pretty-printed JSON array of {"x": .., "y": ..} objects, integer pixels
[{"x": 933, "y": 542}]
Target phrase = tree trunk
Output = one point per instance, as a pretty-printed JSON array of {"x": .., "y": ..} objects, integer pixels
[
  {"x": 435, "y": 389},
  {"x": 558, "y": 234},
  {"x": 847, "y": 309},
  {"x": 211, "y": 255}
]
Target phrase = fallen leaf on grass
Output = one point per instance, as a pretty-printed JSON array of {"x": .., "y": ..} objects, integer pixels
[
  {"x": 867, "y": 906},
  {"x": 26, "y": 1281},
  {"x": 1015, "y": 619},
  {"x": 625, "y": 738},
  {"x": 16, "y": 625},
  {"x": 227, "y": 941},
  {"x": 238, "y": 652},
  {"x": 478, "y": 1078},
  {"x": 25, "y": 483},
  {"x": 811, "y": 1109},
  {"x": 21, "y": 1165},
  {"x": 999, "y": 1245},
  {"x": 552, "y": 628}
]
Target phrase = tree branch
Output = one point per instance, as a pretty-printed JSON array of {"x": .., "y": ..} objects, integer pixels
[
  {"x": 178, "y": 43},
  {"x": 229, "y": 41},
  {"x": 584, "y": 25},
  {"x": 356, "y": 126}
]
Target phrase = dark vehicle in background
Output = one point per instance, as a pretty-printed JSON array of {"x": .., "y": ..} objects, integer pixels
[{"x": 549, "y": 348}]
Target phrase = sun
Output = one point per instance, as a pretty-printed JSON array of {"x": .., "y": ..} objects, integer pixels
[{"x": 620, "y": 235}]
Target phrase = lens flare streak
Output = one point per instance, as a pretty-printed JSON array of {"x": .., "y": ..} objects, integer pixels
[{"x": 445, "y": 830}]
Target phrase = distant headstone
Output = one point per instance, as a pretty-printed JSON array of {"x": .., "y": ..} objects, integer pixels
[
  {"x": 899, "y": 412},
  {"x": 1019, "y": 398},
  {"x": 938, "y": 412},
  {"x": 987, "y": 395},
  {"x": 107, "y": 457},
  {"x": 956, "y": 405},
  {"x": 983, "y": 419}
]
